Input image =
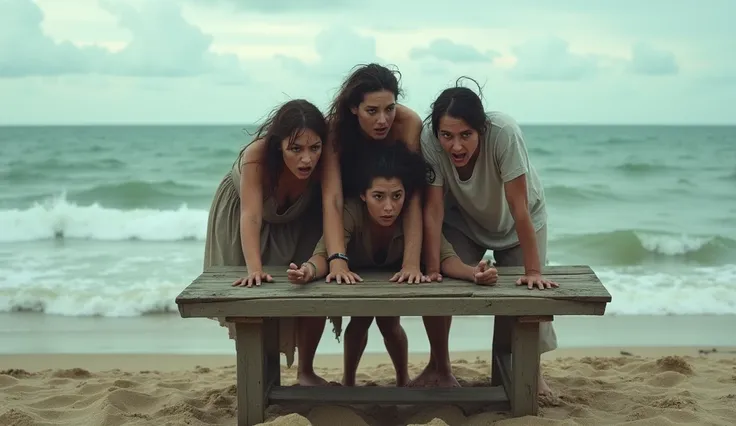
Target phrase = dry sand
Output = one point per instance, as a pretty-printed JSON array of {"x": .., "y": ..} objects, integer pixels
[{"x": 644, "y": 386}]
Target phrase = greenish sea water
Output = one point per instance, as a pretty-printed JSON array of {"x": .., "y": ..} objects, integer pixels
[{"x": 652, "y": 209}]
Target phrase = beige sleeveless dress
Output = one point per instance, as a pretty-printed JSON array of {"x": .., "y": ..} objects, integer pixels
[{"x": 286, "y": 237}]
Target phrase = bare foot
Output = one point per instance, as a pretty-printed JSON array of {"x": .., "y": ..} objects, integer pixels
[
  {"x": 421, "y": 380},
  {"x": 435, "y": 379},
  {"x": 311, "y": 379},
  {"x": 445, "y": 381},
  {"x": 543, "y": 388}
]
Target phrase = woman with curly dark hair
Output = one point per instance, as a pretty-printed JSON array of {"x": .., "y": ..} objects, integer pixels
[
  {"x": 266, "y": 211},
  {"x": 365, "y": 114},
  {"x": 386, "y": 178}
]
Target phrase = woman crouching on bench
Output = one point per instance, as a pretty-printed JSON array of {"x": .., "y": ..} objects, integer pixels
[{"x": 388, "y": 176}]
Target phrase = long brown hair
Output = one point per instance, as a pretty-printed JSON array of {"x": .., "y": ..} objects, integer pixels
[
  {"x": 364, "y": 79},
  {"x": 287, "y": 121}
]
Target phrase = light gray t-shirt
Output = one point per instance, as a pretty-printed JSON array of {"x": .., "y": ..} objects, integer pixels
[{"x": 477, "y": 207}]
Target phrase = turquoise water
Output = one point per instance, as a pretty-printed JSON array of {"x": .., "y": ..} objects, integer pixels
[{"x": 111, "y": 220}]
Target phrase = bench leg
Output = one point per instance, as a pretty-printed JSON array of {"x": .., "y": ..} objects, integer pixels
[
  {"x": 524, "y": 368},
  {"x": 272, "y": 353},
  {"x": 250, "y": 374},
  {"x": 502, "y": 327}
]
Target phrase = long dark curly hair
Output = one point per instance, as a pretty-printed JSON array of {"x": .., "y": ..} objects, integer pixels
[
  {"x": 348, "y": 138},
  {"x": 393, "y": 160}
]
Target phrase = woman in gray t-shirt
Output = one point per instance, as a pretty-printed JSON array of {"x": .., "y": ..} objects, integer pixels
[{"x": 486, "y": 196}]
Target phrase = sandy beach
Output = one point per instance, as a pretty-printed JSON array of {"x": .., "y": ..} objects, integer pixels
[{"x": 594, "y": 386}]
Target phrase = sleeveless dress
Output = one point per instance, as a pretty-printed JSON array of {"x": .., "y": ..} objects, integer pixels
[{"x": 285, "y": 237}]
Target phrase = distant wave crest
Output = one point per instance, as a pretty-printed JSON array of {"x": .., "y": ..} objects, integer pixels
[
  {"x": 631, "y": 247},
  {"x": 564, "y": 193},
  {"x": 60, "y": 218},
  {"x": 136, "y": 193},
  {"x": 643, "y": 168}
]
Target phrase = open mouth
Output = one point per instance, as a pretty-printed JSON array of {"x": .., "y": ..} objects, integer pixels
[
  {"x": 382, "y": 130},
  {"x": 304, "y": 170},
  {"x": 459, "y": 158}
]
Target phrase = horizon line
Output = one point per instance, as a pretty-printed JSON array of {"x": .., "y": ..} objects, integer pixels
[{"x": 228, "y": 124}]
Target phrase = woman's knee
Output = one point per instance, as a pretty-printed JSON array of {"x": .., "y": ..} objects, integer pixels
[
  {"x": 358, "y": 324},
  {"x": 306, "y": 324},
  {"x": 389, "y": 325}
]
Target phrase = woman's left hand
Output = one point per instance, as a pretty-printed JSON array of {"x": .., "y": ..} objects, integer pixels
[
  {"x": 536, "y": 281},
  {"x": 411, "y": 275}
]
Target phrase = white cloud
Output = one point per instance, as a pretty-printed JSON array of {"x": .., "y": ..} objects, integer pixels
[
  {"x": 25, "y": 50},
  {"x": 444, "y": 49},
  {"x": 550, "y": 59},
  {"x": 648, "y": 60},
  {"x": 231, "y": 61},
  {"x": 338, "y": 48},
  {"x": 162, "y": 44}
]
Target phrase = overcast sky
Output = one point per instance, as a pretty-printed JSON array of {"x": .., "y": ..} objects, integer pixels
[{"x": 231, "y": 61}]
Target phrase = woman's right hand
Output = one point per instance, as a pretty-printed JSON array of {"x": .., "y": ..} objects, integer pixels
[
  {"x": 340, "y": 272},
  {"x": 255, "y": 277},
  {"x": 485, "y": 274},
  {"x": 299, "y": 275}
]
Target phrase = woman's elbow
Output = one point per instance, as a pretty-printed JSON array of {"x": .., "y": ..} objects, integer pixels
[
  {"x": 250, "y": 220},
  {"x": 520, "y": 211}
]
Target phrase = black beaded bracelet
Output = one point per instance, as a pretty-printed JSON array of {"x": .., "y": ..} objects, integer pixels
[{"x": 338, "y": 256}]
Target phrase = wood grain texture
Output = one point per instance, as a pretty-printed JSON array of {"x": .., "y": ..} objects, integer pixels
[
  {"x": 215, "y": 285},
  {"x": 389, "y": 395}
]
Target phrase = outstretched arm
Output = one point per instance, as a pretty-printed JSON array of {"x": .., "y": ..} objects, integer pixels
[
  {"x": 251, "y": 213},
  {"x": 452, "y": 266},
  {"x": 434, "y": 213},
  {"x": 513, "y": 164},
  {"x": 410, "y": 268},
  {"x": 332, "y": 214}
]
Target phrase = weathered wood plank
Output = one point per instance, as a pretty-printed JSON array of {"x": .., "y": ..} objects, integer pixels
[
  {"x": 216, "y": 287},
  {"x": 503, "y": 363},
  {"x": 388, "y": 395},
  {"x": 414, "y": 306},
  {"x": 502, "y": 328},
  {"x": 524, "y": 369},
  {"x": 503, "y": 270},
  {"x": 250, "y": 374},
  {"x": 272, "y": 356}
]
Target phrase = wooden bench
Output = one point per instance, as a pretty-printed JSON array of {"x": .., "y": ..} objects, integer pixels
[{"x": 515, "y": 354}]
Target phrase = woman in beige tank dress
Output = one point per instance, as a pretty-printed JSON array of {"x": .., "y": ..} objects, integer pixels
[
  {"x": 386, "y": 179},
  {"x": 267, "y": 211}
]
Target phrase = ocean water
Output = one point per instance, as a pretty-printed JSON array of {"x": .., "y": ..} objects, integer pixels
[{"x": 110, "y": 221}]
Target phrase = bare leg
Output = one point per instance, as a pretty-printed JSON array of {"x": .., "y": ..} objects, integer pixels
[
  {"x": 542, "y": 386},
  {"x": 439, "y": 370},
  {"x": 356, "y": 338},
  {"x": 397, "y": 346},
  {"x": 309, "y": 333}
]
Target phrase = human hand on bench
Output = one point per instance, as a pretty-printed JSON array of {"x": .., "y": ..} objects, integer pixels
[
  {"x": 255, "y": 277},
  {"x": 341, "y": 274},
  {"x": 300, "y": 275},
  {"x": 484, "y": 273},
  {"x": 536, "y": 280}
]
